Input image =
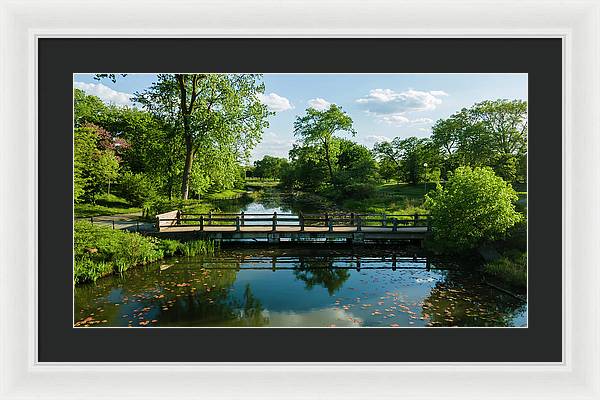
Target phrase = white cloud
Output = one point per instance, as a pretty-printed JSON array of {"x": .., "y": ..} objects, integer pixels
[
  {"x": 387, "y": 101},
  {"x": 272, "y": 144},
  {"x": 371, "y": 139},
  {"x": 438, "y": 93},
  {"x": 421, "y": 121},
  {"x": 105, "y": 93},
  {"x": 319, "y": 104},
  {"x": 275, "y": 102},
  {"x": 391, "y": 107}
]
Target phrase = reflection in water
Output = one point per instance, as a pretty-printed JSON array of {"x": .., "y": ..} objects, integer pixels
[{"x": 296, "y": 287}]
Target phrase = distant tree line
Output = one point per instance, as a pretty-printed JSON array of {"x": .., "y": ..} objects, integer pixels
[{"x": 489, "y": 134}]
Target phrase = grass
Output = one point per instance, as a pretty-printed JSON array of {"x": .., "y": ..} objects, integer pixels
[
  {"x": 392, "y": 198},
  {"x": 106, "y": 204},
  {"x": 255, "y": 183},
  {"x": 510, "y": 269},
  {"x": 101, "y": 251}
]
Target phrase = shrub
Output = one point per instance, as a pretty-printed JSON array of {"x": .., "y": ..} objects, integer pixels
[
  {"x": 510, "y": 269},
  {"x": 473, "y": 207},
  {"x": 138, "y": 189},
  {"x": 100, "y": 250}
]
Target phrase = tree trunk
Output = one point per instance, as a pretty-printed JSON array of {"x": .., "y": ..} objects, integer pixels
[
  {"x": 328, "y": 162},
  {"x": 189, "y": 157}
]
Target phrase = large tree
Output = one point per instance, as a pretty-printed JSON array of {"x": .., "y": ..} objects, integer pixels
[
  {"x": 320, "y": 127},
  {"x": 408, "y": 155},
  {"x": 490, "y": 133},
  {"x": 217, "y": 113}
]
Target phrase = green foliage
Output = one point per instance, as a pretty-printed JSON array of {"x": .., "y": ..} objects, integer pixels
[
  {"x": 106, "y": 204},
  {"x": 317, "y": 129},
  {"x": 138, "y": 189},
  {"x": 490, "y": 133},
  {"x": 94, "y": 167},
  {"x": 407, "y": 156},
  {"x": 511, "y": 269},
  {"x": 474, "y": 206},
  {"x": 269, "y": 167},
  {"x": 100, "y": 250}
]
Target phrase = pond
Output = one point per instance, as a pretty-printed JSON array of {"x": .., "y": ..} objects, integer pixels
[
  {"x": 326, "y": 286},
  {"x": 296, "y": 285}
]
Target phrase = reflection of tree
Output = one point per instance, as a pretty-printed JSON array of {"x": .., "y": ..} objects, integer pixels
[
  {"x": 463, "y": 300},
  {"x": 233, "y": 205},
  {"x": 177, "y": 296},
  {"x": 321, "y": 272},
  {"x": 252, "y": 310}
]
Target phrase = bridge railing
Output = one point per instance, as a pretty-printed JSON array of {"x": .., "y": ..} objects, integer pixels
[{"x": 303, "y": 220}]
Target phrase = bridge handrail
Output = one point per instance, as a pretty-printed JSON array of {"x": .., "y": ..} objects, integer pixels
[{"x": 330, "y": 220}]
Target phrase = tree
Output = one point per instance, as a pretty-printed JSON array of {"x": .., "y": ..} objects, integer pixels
[
  {"x": 217, "y": 112},
  {"x": 107, "y": 168},
  {"x": 408, "y": 155},
  {"x": 319, "y": 127},
  {"x": 474, "y": 206},
  {"x": 269, "y": 167},
  {"x": 356, "y": 169},
  {"x": 490, "y": 133}
]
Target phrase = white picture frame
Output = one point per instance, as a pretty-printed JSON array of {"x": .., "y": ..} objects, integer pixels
[{"x": 22, "y": 23}]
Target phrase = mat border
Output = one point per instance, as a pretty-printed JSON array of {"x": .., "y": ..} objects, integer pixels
[{"x": 578, "y": 23}]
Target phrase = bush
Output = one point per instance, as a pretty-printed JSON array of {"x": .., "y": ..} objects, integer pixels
[
  {"x": 474, "y": 206},
  {"x": 138, "y": 189},
  {"x": 511, "y": 269},
  {"x": 100, "y": 250}
]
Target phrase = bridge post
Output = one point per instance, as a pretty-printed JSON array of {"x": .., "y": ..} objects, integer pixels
[
  {"x": 351, "y": 219},
  {"x": 274, "y": 220},
  {"x": 359, "y": 225},
  {"x": 394, "y": 262},
  {"x": 326, "y": 219},
  {"x": 201, "y": 222},
  {"x": 178, "y": 217},
  {"x": 395, "y": 228},
  {"x": 428, "y": 223},
  {"x": 210, "y": 218},
  {"x": 330, "y": 225},
  {"x": 301, "y": 219},
  {"x": 237, "y": 223},
  {"x": 242, "y": 218},
  {"x": 416, "y": 219},
  {"x": 383, "y": 219}
]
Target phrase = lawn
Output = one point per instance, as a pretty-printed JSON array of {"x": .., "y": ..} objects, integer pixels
[
  {"x": 392, "y": 198},
  {"x": 106, "y": 204}
]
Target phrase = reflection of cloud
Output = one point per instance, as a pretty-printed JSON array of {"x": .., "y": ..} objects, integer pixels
[
  {"x": 275, "y": 102},
  {"x": 272, "y": 144},
  {"x": 312, "y": 318},
  {"x": 105, "y": 93}
]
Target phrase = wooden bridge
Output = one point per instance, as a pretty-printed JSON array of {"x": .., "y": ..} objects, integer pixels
[{"x": 349, "y": 227}]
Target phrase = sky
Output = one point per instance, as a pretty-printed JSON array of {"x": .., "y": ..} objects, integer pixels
[{"x": 382, "y": 106}]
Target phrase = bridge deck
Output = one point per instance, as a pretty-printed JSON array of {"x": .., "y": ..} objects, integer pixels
[
  {"x": 286, "y": 229},
  {"x": 310, "y": 227}
]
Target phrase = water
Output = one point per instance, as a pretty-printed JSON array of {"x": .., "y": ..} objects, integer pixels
[
  {"x": 294, "y": 287},
  {"x": 315, "y": 285}
]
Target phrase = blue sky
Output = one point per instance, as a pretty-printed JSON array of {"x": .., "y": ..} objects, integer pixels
[{"x": 382, "y": 106}]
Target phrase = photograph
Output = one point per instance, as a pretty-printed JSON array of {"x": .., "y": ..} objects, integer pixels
[{"x": 300, "y": 200}]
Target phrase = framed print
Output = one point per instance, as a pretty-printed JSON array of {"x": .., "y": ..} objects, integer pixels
[{"x": 370, "y": 205}]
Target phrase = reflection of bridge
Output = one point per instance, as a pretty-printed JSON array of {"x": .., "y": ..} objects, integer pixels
[
  {"x": 358, "y": 263},
  {"x": 274, "y": 227}
]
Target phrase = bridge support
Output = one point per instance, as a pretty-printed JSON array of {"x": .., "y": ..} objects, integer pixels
[{"x": 273, "y": 238}]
